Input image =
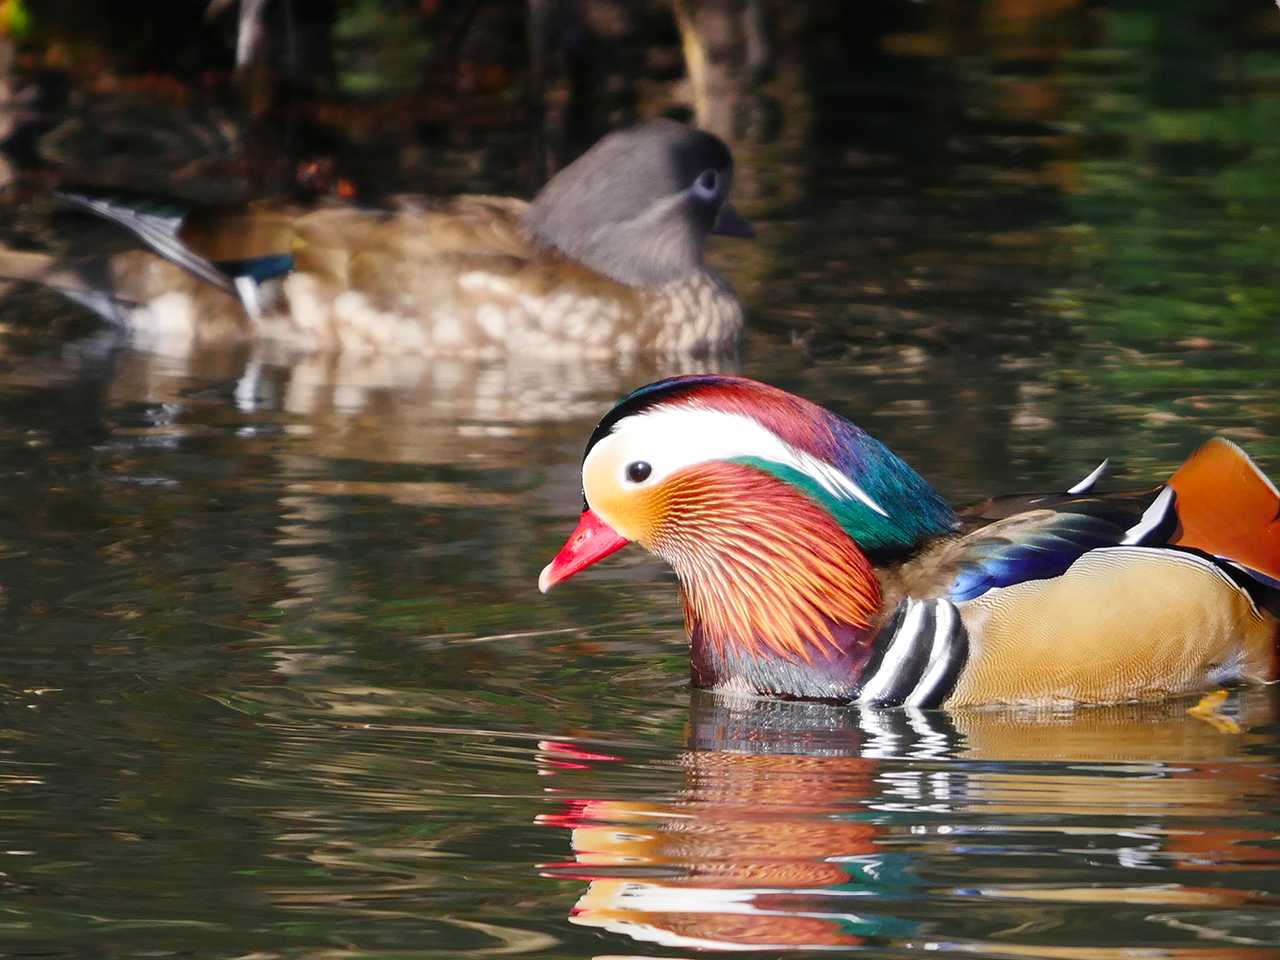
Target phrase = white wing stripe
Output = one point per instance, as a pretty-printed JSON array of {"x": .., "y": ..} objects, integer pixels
[
  {"x": 1152, "y": 517},
  {"x": 1085, "y": 485},
  {"x": 835, "y": 482}
]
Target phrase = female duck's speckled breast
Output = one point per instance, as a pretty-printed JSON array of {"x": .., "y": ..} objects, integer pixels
[
  {"x": 698, "y": 313},
  {"x": 492, "y": 313}
]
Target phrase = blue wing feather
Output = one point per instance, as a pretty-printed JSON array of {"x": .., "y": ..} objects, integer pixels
[{"x": 1037, "y": 547}]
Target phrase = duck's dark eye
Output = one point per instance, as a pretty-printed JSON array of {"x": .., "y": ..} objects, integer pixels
[
  {"x": 638, "y": 471},
  {"x": 707, "y": 184}
]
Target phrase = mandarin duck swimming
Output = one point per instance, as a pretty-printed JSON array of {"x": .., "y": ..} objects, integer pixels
[
  {"x": 816, "y": 564},
  {"x": 606, "y": 260}
]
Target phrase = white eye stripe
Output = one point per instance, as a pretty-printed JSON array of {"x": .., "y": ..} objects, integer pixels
[
  {"x": 836, "y": 482},
  {"x": 673, "y": 438}
]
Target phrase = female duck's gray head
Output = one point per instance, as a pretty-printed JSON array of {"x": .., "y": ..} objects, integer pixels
[{"x": 638, "y": 205}]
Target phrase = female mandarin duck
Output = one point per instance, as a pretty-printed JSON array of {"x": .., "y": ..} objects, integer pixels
[
  {"x": 606, "y": 260},
  {"x": 815, "y": 564}
]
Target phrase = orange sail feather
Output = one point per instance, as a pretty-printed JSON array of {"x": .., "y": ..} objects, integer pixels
[{"x": 1228, "y": 507}]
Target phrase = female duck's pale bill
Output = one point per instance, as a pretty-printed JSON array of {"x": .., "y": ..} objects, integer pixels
[{"x": 815, "y": 564}]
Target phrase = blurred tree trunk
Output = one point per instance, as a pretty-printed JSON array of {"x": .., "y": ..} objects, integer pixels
[{"x": 727, "y": 53}]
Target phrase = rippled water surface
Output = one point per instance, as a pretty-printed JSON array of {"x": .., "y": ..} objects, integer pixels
[{"x": 277, "y": 681}]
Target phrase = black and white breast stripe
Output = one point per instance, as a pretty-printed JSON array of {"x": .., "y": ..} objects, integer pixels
[{"x": 919, "y": 656}]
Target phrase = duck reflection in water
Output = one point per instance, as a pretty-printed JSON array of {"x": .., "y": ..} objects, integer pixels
[{"x": 808, "y": 826}]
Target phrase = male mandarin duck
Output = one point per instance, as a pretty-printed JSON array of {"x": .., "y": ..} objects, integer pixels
[
  {"x": 815, "y": 564},
  {"x": 607, "y": 259}
]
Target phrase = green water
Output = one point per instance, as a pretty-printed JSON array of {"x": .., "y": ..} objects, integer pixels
[{"x": 277, "y": 681}]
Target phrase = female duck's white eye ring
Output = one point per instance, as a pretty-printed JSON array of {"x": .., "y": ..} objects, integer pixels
[
  {"x": 638, "y": 471},
  {"x": 707, "y": 186}
]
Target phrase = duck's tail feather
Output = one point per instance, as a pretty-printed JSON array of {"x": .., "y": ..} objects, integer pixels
[
  {"x": 1228, "y": 507},
  {"x": 157, "y": 225}
]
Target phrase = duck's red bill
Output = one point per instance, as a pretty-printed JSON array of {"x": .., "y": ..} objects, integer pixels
[{"x": 593, "y": 540}]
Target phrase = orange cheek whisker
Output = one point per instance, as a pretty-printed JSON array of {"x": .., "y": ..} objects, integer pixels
[{"x": 763, "y": 567}]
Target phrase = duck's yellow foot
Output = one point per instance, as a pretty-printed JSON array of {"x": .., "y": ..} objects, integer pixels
[{"x": 1207, "y": 710}]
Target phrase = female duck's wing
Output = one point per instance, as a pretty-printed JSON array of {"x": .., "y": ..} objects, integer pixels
[
  {"x": 424, "y": 276},
  {"x": 436, "y": 277},
  {"x": 416, "y": 229},
  {"x": 237, "y": 250},
  {"x": 458, "y": 277}
]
